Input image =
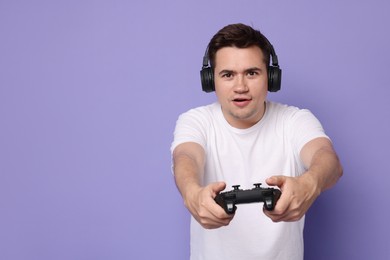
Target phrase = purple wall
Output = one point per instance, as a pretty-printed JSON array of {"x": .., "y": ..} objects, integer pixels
[{"x": 90, "y": 92}]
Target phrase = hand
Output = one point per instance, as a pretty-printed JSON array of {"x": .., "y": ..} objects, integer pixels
[
  {"x": 200, "y": 202},
  {"x": 298, "y": 194}
]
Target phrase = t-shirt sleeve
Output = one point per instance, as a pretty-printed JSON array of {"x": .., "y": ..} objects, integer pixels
[
  {"x": 190, "y": 127},
  {"x": 305, "y": 127}
]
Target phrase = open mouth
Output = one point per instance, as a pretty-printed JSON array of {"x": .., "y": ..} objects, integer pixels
[
  {"x": 241, "y": 102},
  {"x": 240, "y": 99}
]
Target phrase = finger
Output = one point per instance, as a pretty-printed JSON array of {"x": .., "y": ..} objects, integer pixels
[
  {"x": 215, "y": 219},
  {"x": 280, "y": 210},
  {"x": 288, "y": 217},
  {"x": 276, "y": 216},
  {"x": 276, "y": 180},
  {"x": 211, "y": 212},
  {"x": 288, "y": 214},
  {"x": 218, "y": 212},
  {"x": 217, "y": 187}
]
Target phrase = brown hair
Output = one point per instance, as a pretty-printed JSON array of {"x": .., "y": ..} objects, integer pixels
[{"x": 240, "y": 36}]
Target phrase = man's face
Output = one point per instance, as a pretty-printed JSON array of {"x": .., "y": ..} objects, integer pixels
[{"x": 241, "y": 84}]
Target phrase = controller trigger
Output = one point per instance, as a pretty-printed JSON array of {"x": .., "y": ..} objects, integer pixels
[
  {"x": 268, "y": 204},
  {"x": 230, "y": 207}
]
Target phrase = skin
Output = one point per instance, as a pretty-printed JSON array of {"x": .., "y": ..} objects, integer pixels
[
  {"x": 241, "y": 88},
  {"x": 241, "y": 85}
]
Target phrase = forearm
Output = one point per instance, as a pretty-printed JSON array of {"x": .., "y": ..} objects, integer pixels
[
  {"x": 298, "y": 194},
  {"x": 188, "y": 168},
  {"x": 188, "y": 175},
  {"x": 325, "y": 169}
]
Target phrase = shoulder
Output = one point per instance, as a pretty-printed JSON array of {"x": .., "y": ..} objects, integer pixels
[
  {"x": 202, "y": 110},
  {"x": 291, "y": 120},
  {"x": 300, "y": 125},
  {"x": 193, "y": 125},
  {"x": 287, "y": 112},
  {"x": 282, "y": 108},
  {"x": 200, "y": 114}
]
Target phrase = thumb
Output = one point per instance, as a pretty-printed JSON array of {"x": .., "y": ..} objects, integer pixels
[
  {"x": 217, "y": 186},
  {"x": 276, "y": 180}
]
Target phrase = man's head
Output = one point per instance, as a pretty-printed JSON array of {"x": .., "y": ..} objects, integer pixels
[
  {"x": 239, "y": 36},
  {"x": 239, "y": 57}
]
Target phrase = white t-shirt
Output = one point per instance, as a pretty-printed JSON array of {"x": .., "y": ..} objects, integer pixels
[{"x": 244, "y": 157}]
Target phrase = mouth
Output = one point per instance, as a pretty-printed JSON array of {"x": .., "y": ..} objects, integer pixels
[
  {"x": 240, "y": 99},
  {"x": 241, "y": 102}
]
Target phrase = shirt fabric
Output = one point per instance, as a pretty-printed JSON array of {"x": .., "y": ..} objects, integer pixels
[{"x": 245, "y": 157}]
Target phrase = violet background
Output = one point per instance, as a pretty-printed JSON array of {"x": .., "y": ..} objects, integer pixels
[{"x": 90, "y": 92}]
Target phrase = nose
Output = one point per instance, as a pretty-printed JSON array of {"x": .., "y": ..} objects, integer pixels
[{"x": 241, "y": 84}]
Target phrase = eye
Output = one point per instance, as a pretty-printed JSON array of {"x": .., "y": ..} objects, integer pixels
[
  {"x": 227, "y": 75},
  {"x": 252, "y": 73}
]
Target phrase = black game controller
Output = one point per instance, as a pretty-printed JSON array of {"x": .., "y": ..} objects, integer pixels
[{"x": 229, "y": 199}]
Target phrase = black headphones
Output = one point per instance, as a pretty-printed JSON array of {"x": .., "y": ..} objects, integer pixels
[{"x": 274, "y": 73}]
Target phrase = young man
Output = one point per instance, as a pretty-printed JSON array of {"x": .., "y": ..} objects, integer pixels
[{"x": 244, "y": 139}]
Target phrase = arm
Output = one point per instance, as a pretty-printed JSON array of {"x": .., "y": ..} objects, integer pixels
[
  {"x": 299, "y": 193},
  {"x": 188, "y": 167}
]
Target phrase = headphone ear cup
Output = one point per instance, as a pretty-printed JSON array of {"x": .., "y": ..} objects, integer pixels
[
  {"x": 274, "y": 78},
  {"x": 207, "y": 79}
]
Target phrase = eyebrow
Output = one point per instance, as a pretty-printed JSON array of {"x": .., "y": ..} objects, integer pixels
[
  {"x": 253, "y": 69},
  {"x": 225, "y": 71},
  {"x": 246, "y": 71}
]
